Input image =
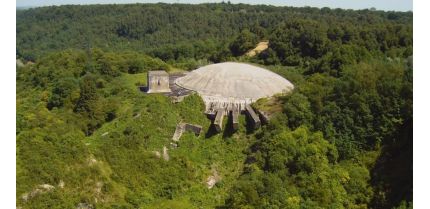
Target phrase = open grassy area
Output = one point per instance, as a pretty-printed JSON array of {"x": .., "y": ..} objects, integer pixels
[{"x": 132, "y": 81}]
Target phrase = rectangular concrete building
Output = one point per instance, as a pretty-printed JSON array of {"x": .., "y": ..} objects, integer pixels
[{"x": 158, "y": 82}]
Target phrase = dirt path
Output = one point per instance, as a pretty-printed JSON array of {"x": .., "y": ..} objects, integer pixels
[{"x": 263, "y": 45}]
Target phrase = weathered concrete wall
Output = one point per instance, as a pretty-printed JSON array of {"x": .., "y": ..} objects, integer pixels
[
  {"x": 196, "y": 129},
  {"x": 181, "y": 127},
  {"x": 213, "y": 103},
  {"x": 219, "y": 119},
  {"x": 158, "y": 82},
  {"x": 235, "y": 119},
  {"x": 253, "y": 117},
  {"x": 177, "y": 99},
  {"x": 178, "y": 132}
]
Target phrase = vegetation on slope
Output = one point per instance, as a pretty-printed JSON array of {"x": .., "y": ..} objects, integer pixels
[
  {"x": 105, "y": 135},
  {"x": 340, "y": 143},
  {"x": 341, "y": 139}
]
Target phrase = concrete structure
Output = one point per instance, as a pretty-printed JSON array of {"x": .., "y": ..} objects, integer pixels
[
  {"x": 219, "y": 119},
  {"x": 232, "y": 85},
  {"x": 158, "y": 82},
  {"x": 182, "y": 127},
  {"x": 229, "y": 88},
  {"x": 177, "y": 93},
  {"x": 253, "y": 117},
  {"x": 196, "y": 129},
  {"x": 263, "y": 116},
  {"x": 178, "y": 132},
  {"x": 235, "y": 119}
]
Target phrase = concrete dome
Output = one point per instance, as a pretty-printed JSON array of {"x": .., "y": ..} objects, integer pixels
[{"x": 231, "y": 82}]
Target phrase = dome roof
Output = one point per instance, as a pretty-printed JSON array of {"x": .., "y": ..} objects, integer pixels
[{"x": 234, "y": 81}]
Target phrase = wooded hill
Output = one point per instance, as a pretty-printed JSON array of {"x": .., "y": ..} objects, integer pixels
[
  {"x": 87, "y": 136},
  {"x": 203, "y": 31}
]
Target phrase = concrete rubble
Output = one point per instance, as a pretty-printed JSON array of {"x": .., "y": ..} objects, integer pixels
[
  {"x": 40, "y": 189},
  {"x": 182, "y": 127}
]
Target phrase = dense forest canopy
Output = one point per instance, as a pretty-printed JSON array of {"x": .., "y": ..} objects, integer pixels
[
  {"x": 88, "y": 137},
  {"x": 200, "y": 31}
]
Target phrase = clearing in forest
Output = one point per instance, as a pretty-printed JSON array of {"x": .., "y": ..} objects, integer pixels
[{"x": 263, "y": 45}]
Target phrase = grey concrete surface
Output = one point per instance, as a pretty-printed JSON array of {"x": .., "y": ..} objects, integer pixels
[{"x": 231, "y": 85}]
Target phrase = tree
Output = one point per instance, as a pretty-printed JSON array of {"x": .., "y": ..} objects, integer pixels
[
  {"x": 62, "y": 92},
  {"x": 300, "y": 171},
  {"x": 269, "y": 57},
  {"x": 89, "y": 104},
  {"x": 243, "y": 42},
  {"x": 298, "y": 110}
]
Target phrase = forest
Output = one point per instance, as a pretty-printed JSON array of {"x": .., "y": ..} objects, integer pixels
[{"x": 86, "y": 135}]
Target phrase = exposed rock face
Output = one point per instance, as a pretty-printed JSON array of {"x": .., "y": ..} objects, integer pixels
[
  {"x": 213, "y": 179},
  {"x": 211, "y": 182},
  {"x": 92, "y": 161},
  {"x": 173, "y": 145},
  {"x": 98, "y": 188},
  {"x": 40, "y": 189},
  {"x": 19, "y": 63},
  {"x": 61, "y": 184},
  {"x": 157, "y": 154},
  {"x": 84, "y": 206},
  {"x": 165, "y": 154},
  {"x": 98, "y": 191}
]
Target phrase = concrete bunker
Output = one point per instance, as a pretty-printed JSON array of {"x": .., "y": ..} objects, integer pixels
[
  {"x": 231, "y": 87},
  {"x": 158, "y": 82}
]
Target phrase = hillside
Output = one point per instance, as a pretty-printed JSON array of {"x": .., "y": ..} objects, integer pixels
[
  {"x": 197, "y": 31},
  {"x": 88, "y": 137}
]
